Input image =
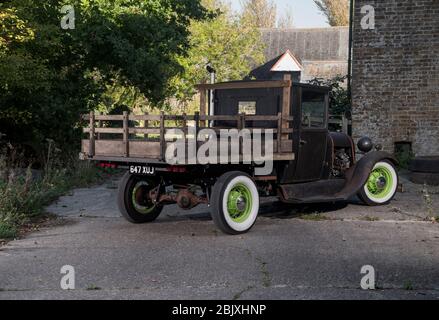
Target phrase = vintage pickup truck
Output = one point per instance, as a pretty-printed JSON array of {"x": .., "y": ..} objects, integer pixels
[{"x": 310, "y": 164}]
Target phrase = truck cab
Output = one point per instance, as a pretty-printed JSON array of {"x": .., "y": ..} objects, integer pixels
[{"x": 309, "y": 107}]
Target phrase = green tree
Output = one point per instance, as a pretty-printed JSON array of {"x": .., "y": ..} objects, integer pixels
[
  {"x": 260, "y": 13},
  {"x": 339, "y": 102},
  {"x": 227, "y": 42},
  {"x": 286, "y": 20},
  {"x": 13, "y": 30},
  {"x": 336, "y": 11},
  {"x": 49, "y": 76}
]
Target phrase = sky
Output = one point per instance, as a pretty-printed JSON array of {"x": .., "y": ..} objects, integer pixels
[{"x": 305, "y": 12}]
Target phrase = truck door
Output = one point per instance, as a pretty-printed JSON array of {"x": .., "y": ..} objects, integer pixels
[{"x": 313, "y": 135}]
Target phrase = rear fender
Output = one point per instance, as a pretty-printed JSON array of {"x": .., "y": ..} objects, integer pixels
[{"x": 357, "y": 176}]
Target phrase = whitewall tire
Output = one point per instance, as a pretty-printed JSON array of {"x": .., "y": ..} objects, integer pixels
[{"x": 235, "y": 203}]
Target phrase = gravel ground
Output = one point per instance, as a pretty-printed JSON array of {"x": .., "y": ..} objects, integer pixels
[{"x": 293, "y": 252}]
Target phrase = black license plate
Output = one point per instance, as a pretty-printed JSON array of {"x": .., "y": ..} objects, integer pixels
[{"x": 143, "y": 170}]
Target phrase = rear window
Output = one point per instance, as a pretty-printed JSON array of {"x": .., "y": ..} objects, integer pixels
[
  {"x": 247, "y": 107},
  {"x": 313, "y": 109}
]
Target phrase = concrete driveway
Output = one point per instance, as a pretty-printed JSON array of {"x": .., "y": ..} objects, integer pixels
[{"x": 288, "y": 255}]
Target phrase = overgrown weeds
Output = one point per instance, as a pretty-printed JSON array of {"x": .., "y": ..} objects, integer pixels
[
  {"x": 25, "y": 192},
  {"x": 428, "y": 201}
]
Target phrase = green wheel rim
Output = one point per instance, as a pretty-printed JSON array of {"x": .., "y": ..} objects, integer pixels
[
  {"x": 239, "y": 203},
  {"x": 380, "y": 182},
  {"x": 140, "y": 201}
]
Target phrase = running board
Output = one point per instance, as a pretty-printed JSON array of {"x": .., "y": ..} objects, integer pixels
[{"x": 321, "y": 191}]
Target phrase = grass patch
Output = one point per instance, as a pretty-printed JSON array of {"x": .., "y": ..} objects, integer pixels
[
  {"x": 266, "y": 278},
  {"x": 240, "y": 293},
  {"x": 24, "y": 196},
  {"x": 408, "y": 286},
  {"x": 7, "y": 231},
  {"x": 314, "y": 217},
  {"x": 93, "y": 288}
]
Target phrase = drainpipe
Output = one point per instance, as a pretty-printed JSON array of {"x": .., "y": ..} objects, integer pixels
[
  {"x": 351, "y": 37},
  {"x": 212, "y": 81}
]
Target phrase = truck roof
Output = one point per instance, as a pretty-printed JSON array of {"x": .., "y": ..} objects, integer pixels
[{"x": 295, "y": 84}]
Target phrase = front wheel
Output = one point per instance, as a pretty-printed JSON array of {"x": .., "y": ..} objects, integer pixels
[
  {"x": 234, "y": 203},
  {"x": 134, "y": 201},
  {"x": 381, "y": 185}
]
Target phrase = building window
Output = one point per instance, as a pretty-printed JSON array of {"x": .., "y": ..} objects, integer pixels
[
  {"x": 247, "y": 107},
  {"x": 404, "y": 153}
]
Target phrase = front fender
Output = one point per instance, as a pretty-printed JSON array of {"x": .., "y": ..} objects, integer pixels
[{"x": 357, "y": 176}]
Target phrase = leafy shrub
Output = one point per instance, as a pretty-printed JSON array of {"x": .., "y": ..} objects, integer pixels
[{"x": 23, "y": 196}]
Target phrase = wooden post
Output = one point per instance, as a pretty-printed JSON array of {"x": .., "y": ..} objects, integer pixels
[
  {"x": 241, "y": 125},
  {"x": 241, "y": 121},
  {"x": 345, "y": 124},
  {"x": 126, "y": 134},
  {"x": 145, "y": 126},
  {"x": 279, "y": 133},
  {"x": 99, "y": 126},
  {"x": 162, "y": 136},
  {"x": 184, "y": 126},
  {"x": 286, "y": 106},
  {"x": 203, "y": 107},
  {"x": 197, "y": 126},
  {"x": 91, "y": 147}
]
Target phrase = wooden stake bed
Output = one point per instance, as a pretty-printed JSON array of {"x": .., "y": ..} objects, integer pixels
[{"x": 132, "y": 138}]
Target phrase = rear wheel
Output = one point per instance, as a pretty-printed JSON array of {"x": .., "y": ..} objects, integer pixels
[
  {"x": 235, "y": 203},
  {"x": 134, "y": 201},
  {"x": 381, "y": 185}
]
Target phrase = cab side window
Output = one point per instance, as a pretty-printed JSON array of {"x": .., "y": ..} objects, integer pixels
[{"x": 313, "y": 109}]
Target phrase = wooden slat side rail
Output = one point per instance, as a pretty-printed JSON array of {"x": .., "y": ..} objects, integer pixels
[
  {"x": 104, "y": 130},
  {"x": 127, "y": 148},
  {"x": 91, "y": 151},
  {"x": 157, "y": 130},
  {"x": 251, "y": 130},
  {"x": 162, "y": 136},
  {"x": 217, "y": 118},
  {"x": 246, "y": 85},
  {"x": 126, "y": 134},
  {"x": 145, "y": 132},
  {"x": 145, "y": 117},
  {"x": 154, "y": 160},
  {"x": 286, "y": 105},
  {"x": 203, "y": 106},
  {"x": 100, "y": 117},
  {"x": 148, "y": 118},
  {"x": 260, "y": 118},
  {"x": 145, "y": 126},
  {"x": 99, "y": 126},
  {"x": 182, "y": 117},
  {"x": 279, "y": 132}
]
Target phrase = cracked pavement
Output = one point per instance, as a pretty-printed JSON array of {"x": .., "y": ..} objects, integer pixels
[{"x": 183, "y": 256}]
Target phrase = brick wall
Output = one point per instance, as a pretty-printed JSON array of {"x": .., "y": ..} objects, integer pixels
[{"x": 396, "y": 75}]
